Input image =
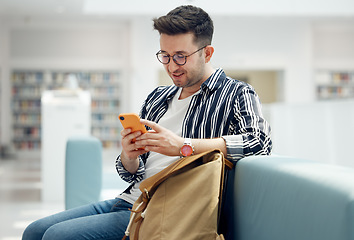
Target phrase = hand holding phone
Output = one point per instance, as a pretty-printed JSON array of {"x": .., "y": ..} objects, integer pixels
[{"x": 132, "y": 121}]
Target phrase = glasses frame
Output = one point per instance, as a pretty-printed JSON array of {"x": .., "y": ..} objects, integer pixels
[{"x": 173, "y": 56}]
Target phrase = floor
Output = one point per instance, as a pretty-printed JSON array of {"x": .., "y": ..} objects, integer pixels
[{"x": 20, "y": 191}]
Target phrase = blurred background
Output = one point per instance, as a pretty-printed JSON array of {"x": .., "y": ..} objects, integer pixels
[{"x": 299, "y": 56}]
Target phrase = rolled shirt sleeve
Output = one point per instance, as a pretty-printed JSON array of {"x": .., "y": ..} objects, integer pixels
[
  {"x": 126, "y": 175},
  {"x": 251, "y": 134}
]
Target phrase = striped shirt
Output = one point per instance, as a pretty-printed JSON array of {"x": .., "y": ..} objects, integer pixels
[{"x": 224, "y": 107}]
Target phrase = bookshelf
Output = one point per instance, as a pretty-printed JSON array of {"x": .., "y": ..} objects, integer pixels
[
  {"x": 27, "y": 87},
  {"x": 335, "y": 84}
]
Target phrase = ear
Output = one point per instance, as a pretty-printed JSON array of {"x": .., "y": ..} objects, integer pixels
[{"x": 209, "y": 50}]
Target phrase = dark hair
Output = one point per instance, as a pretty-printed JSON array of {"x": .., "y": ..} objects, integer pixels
[{"x": 187, "y": 19}]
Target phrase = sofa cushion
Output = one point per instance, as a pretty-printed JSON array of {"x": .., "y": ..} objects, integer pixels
[{"x": 283, "y": 198}]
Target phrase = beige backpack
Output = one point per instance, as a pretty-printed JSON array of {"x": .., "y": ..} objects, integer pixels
[{"x": 182, "y": 201}]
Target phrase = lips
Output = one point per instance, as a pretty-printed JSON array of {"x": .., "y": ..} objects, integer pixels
[{"x": 178, "y": 75}]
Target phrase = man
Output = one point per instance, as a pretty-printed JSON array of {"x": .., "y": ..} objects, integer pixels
[
  {"x": 203, "y": 110},
  {"x": 217, "y": 112}
]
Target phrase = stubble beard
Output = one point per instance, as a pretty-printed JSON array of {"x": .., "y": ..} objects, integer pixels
[{"x": 193, "y": 78}]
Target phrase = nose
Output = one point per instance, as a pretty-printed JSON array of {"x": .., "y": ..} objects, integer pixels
[{"x": 172, "y": 66}]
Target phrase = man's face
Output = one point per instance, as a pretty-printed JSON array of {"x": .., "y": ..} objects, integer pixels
[{"x": 190, "y": 74}]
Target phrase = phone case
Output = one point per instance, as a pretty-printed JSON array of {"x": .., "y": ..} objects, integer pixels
[{"x": 132, "y": 120}]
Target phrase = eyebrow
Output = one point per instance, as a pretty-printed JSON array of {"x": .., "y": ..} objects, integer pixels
[{"x": 178, "y": 52}]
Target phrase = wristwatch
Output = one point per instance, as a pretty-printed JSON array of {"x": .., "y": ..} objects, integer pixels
[{"x": 187, "y": 149}]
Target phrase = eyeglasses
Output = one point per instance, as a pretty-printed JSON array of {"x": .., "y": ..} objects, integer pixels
[{"x": 179, "y": 58}]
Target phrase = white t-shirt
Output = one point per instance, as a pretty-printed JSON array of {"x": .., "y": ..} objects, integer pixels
[{"x": 156, "y": 162}]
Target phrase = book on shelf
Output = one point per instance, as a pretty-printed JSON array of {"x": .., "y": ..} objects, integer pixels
[{"x": 28, "y": 85}]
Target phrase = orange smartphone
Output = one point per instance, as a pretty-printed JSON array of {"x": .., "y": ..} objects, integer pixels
[{"x": 132, "y": 120}]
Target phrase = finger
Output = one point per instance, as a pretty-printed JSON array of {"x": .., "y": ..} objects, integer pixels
[
  {"x": 153, "y": 148},
  {"x": 147, "y": 142},
  {"x": 152, "y": 125},
  {"x": 133, "y": 154},
  {"x": 151, "y": 134},
  {"x": 125, "y": 132},
  {"x": 134, "y": 150},
  {"x": 129, "y": 137}
]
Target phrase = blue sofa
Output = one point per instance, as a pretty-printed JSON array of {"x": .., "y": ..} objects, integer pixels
[
  {"x": 266, "y": 197},
  {"x": 284, "y": 198},
  {"x": 83, "y": 170}
]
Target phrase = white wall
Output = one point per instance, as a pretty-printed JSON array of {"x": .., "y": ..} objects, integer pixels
[
  {"x": 277, "y": 43},
  {"x": 66, "y": 44},
  {"x": 334, "y": 44},
  {"x": 143, "y": 65},
  {"x": 5, "y": 89},
  {"x": 320, "y": 131},
  {"x": 327, "y": 8}
]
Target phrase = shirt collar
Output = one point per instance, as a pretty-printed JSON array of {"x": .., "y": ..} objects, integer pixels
[
  {"x": 214, "y": 81},
  {"x": 174, "y": 90}
]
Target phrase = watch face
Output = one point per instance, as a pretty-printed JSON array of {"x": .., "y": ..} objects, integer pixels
[{"x": 186, "y": 150}]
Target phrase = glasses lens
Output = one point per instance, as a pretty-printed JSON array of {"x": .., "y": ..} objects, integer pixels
[
  {"x": 163, "y": 58},
  {"x": 180, "y": 59}
]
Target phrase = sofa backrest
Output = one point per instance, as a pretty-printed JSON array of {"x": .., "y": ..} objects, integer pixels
[{"x": 283, "y": 198}]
